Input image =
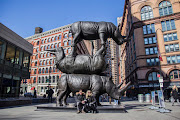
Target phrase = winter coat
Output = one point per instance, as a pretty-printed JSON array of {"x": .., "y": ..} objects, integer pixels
[
  {"x": 79, "y": 97},
  {"x": 175, "y": 94}
]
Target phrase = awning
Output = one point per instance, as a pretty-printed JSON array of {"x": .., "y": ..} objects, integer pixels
[{"x": 32, "y": 88}]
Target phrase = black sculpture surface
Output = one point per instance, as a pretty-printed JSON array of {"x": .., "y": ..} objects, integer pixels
[
  {"x": 97, "y": 84},
  {"x": 80, "y": 64},
  {"x": 83, "y": 71},
  {"x": 95, "y": 30}
]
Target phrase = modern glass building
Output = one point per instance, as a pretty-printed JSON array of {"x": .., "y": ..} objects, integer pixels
[{"x": 15, "y": 55}]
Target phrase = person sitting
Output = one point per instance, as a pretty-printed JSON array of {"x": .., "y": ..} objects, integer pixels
[
  {"x": 80, "y": 97},
  {"x": 91, "y": 104}
]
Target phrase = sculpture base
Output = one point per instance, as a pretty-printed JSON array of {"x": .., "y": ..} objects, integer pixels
[{"x": 71, "y": 108}]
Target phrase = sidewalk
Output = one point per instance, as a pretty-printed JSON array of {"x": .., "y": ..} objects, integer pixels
[{"x": 135, "y": 111}]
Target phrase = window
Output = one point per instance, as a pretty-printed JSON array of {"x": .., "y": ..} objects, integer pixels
[
  {"x": 52, "y": 46},
  {"x": 42, "y": 48},
  {"x": 152, "y": 50},
  {"x": 59, "y": 37},
  {"x": 48, "y": 46},
  {"x": 165, "y": 8},
  {"x": 173, "y": 59},
  {"x": 51, "y": 61},
  {"x": 40, "y": 62},
  {"x": 69, "y": 50},
  {"x": 152, "y": 61},
  {"x": 54, "y": 69},
  {"x": 34, "y": 71},
  {"x": 149, "y": 40},
  {"x": 70, "y": 34},
  {"x": 59, "y": 44},
  {"x": 46, "y": 70},
  {"x": 153, "y": 76},
  {"x": 65, "y": 43},
  {"x": 39, "y": 80},
  {"x": 44, "y": 62},
  {"x": 48, "y": 54},
  {"x": 69, "y": 42},
  {"x": 168, "y": 25},
  {"x": 148, "y": 29},
  {"x": 175, "y": 74},
  {"x": 50, "y": 69},
  {"x": 49, "y": 39},
  {"x": 52, "y": 38},
  {"x": 37, "y": 42},
  {"x": 40, "y": 71},
  {"x": 55, "y": 45},
  {"x": 56, "y": 38},
  {"x": 172, "y": 47},
  {"x": 65, "y": 35},
  {"x": 42, "y": 42},
  {"x": 45, "y": 47},
  {"x": 54, "y": 79},
  {"x": 36, "y": 63},
  {"x": 34, "y": 81},
  {"x": 45, "y": 55},
  {"x": 45, "y": 40},
  {"x": 42, "y": 79},
  {"x": 146, "y": 13},
  {"x": 47, "y": 62},
  {"x": 170, "y": 37},
  {"x": 65, "y": 51}
]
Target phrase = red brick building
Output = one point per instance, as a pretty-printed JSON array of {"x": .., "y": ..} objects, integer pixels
[{"x": 43, "y": 71}]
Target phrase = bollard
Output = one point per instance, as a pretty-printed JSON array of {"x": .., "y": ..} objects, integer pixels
[
  {"x": 141, "y": 98},
  {"x": 148, "y": 98}
]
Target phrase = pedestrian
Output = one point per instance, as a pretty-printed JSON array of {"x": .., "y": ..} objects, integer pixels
[
  {"x": 80, "y": 100},
  {"x": 35, "y": 96},
  {"x": 115, "y": 102},
  {"x": 50, "y": 94},
  {"x": 90, "y": 103},
  {"x": 174, "y": 95}
]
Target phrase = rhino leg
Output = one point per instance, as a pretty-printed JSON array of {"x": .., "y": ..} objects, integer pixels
[
  {"x": 100, "y": 51},
  {"x": 76, "y": 39},
  {"x": 65, "y": 97}
]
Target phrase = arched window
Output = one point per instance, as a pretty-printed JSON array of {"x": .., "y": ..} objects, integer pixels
[
  {"x": 48, "y": 47},
  {"x": 44, "y": 62},
  {"x": 42, "y": 79},
  {"x": 45, "y": 47},
  {"x": 36, "y": 63},
  {"x": 44, "y": 55},
  {"x": 48, "y": 54},
  {"x": 46, "y": 70},
  {"x": 146, "y": 13},
  {"x": 165, "y": 8},
  {"x": 70, "y": 34},
  {"x": 69, "y": 50},
  {"x": 55, "y": 45},
  {"x": 50, "y": 69},
  {"x": 65, "y": 43},
  {"x": 153, "y": 76},
  {"x": 34, "y": 71},
  {"x": 54, "y": 69},
  {"x": 36, "y": 56},
  {"x": 49, "y": 39},
  {"x": 69, "y": 42},
  {"x": 47, "y": 62},
  {"x": 37, "y": 42},
  {"x": 37, "y": 49},
  {"x": 42, "y": 48},
  {"x": 54, "y": 79},
  {"x": 52, "y": 46},
  {"x": 45, "y": 40},
  {"x": 59, "y": 37},
  {"x": 52, "y": 38},
  {"x": 174, "y": 74},
  {"x": 65, "y": 35},
  {"x": 51, "y": 61},
  {"x": 40, "y": 62},
  {"x": 40, "y": 71},
  {"x": 56, "y": 38},
  {"x": 42, "y": 42},
  {"x": 41, "y": 55},
  {"x": 59, "y": 44},
  {"x": 46, "y": 78},
  {"x": 39, "y": 80},
  {"x": 65, "y": 51},
  {"x": 43, "y": 70}
]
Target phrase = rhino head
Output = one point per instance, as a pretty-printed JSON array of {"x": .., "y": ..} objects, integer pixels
[
  {"x": 114, "y": 90},
  {"x": 118, "y": 38}
]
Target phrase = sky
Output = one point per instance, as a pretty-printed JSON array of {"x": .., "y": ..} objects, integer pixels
[{"x": 22, "y": 16}]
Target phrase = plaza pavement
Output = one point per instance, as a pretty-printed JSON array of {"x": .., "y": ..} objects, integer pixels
[{"x": 135, "y": 111}]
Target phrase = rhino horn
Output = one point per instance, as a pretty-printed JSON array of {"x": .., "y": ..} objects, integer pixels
[
  {"x": 122, "y": 90},
  {"x": 52, "y": 51},
  {"x": 118, "y": 86}
]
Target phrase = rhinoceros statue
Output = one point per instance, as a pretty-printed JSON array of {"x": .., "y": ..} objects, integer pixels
[
  {"x": 97, "y": 84},
  {"x": 80, "y": 64},
  {"x": 95, "y": 30}
]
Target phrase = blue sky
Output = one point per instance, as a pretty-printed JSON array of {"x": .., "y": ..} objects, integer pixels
[{"x": 22, "y": 16}]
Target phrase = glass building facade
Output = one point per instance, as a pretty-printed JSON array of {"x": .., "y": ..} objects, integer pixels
[{"x": 14, "y": 66}]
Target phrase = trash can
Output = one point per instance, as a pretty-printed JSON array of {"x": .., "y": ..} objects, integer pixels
[
  {"x": 148, "y": 98},
  {"x": 141, "y": 98}
]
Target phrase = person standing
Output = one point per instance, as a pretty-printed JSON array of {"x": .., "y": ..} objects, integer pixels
[
  {"x": 50, "y": 94},
  {"x": 35, "y": 96},
  {"x": 174, "y": 94},
  {"x": 80, "y": 97}
]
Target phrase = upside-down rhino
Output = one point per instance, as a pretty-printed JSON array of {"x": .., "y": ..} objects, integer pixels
[
  {"x": 95, "y": 30},
  {"x": 97, "y": 84},
  {"x": 80, "y": 64}
]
